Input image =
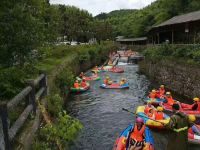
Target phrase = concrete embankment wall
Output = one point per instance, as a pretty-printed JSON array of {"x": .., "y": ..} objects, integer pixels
[{"x": 177, "y": 76}]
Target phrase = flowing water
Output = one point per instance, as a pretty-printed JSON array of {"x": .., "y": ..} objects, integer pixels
[{"x": 100, "y": 111}]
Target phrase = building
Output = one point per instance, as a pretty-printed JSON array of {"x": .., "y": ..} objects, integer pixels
[
  {"x": 183, "y": 29},
  {"x": 132, "y": 41}
]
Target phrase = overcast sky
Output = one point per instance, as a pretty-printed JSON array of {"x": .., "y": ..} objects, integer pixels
[{"x": 97, "y": 6}]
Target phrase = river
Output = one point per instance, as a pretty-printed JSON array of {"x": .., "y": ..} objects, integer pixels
[{"x": 101, "y": 113}]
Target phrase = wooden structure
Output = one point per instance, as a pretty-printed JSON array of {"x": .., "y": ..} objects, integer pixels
[
  {"x": 36, "y": 90},
  {"x": 183, "y": 29},
  {"x": 132, "y": 41}
]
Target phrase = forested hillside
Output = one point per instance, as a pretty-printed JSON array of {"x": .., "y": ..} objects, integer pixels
[{"x": 135, "y": 23}]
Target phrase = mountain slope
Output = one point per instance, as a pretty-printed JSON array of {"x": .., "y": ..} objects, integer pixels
[{"x": 136, "y": 23}]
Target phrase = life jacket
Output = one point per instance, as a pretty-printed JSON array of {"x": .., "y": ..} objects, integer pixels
[
  {"x": 138, "y": 135},
  {"x": 161, "y": 91},
  {"x": 83, "y": 84},
  {"x": 159, "y": 116},
  {"x": 152, "y": 95},
  {"x": 105, "y": 81},
  {"x": 76, "y": 85},
  {"x": 146, "y": 109},
  {"x": 151, "y": 115},
  {"x": 170, "y": 100}
]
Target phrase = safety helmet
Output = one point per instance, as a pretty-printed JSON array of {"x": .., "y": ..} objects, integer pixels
[
  {"x": 192, "y": 118},
  {"x": 196, "y": 99},
  {"x": 139, "y": 120},
  {"x": 162, "y": 86},
  {"x": 159, "y": 108},
  {"x": 168, "y": 93},
  {"x": 154, "y": 91}
]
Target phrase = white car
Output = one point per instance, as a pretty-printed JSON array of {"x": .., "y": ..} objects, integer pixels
[{"x": 73, "y": 43}]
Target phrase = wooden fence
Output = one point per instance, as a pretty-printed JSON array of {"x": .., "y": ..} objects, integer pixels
[{"x": 35, "y": 90}]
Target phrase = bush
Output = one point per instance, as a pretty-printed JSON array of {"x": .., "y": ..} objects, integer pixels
[
  {"x": 63, "y": 131},
  {"x": 12, "y": 81},
  {"x": 54, "y": 103},
  {"x": 65, "y": 80},
  {"x": 188, "y": 52}
]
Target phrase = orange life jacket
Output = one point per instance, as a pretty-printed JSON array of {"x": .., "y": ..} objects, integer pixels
[
  {"x": 105, "y": 81},
  {"x": 138, "y": 135},
  {"x": 76, "y": 85},
  {"x": 159, "y": 116},
  {"x": 152, "y": 95},
  {"x": 170, "y": 100}
]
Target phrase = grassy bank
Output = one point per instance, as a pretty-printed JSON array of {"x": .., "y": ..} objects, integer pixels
[{"x": 49, "y": 59}]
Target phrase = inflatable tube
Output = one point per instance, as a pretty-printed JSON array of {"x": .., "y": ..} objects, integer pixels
[
  {"x": 188, "y": 112},
  {"x": 106, "y": 68},
  {"x": 154, "y": 101},
  {"x": 92, "y": 78},
  {"x": 193, "y": 138},
  {"x": 114, "y": 86},
  {"x": 151, "y": 123},
  {"x": 80, "y": 90},
  {"x": 123, "y": 144},
  {"x": 116, "y": 70}
]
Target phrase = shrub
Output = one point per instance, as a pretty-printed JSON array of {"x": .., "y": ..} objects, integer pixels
[
  {"x": 54, "y": 103},
  {"x": 63, "y": 131}
]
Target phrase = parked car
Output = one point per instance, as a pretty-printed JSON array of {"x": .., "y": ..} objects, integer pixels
[{"x": 73, "y": 43}]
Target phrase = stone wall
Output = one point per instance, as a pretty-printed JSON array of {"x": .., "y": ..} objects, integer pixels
[{"x": 176, "y": 75}]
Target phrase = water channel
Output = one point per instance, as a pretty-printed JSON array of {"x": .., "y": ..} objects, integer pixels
[{"x": 100, "y": 111}]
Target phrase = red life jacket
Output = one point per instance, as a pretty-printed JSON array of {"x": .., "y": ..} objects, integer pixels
[
  {"x": 159, "y": 116},
  {"x": 161, "y": 91},
  {"x": 83, "y": 84},
  {"x": 138, "y": 135}
]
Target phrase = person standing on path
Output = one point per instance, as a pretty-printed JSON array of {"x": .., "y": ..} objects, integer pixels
[{"x": 178, "y": 124}]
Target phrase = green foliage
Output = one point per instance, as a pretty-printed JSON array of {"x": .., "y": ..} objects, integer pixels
[
  {"x": 65, "y": 80},
  {"x": 190, "y": 53},
  {"x": 64, "y": 130},
  {"x": 135, "y": 23},
  {"x": 12, "y": 81},
  {"x": 54, "y": 103}
]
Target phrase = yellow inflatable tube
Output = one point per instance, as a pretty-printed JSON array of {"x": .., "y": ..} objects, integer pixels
[{"x": 151, "y": 123}]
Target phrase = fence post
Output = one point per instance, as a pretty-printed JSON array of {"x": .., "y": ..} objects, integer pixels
[
  {"x": 4, "y": 119},
  {"x": 32, "y": 95},
  {"x": 43, "y": 83}
]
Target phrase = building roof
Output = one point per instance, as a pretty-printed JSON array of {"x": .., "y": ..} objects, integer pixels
[
  {"x": 132, "y": 39},
  {"x": 193, "y": 16}
]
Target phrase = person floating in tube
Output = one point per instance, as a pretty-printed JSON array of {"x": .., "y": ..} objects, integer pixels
[{"x": 136, "y": 141}]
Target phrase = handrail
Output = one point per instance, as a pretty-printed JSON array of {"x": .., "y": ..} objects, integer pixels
[{"x": 30, "y": 94}]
